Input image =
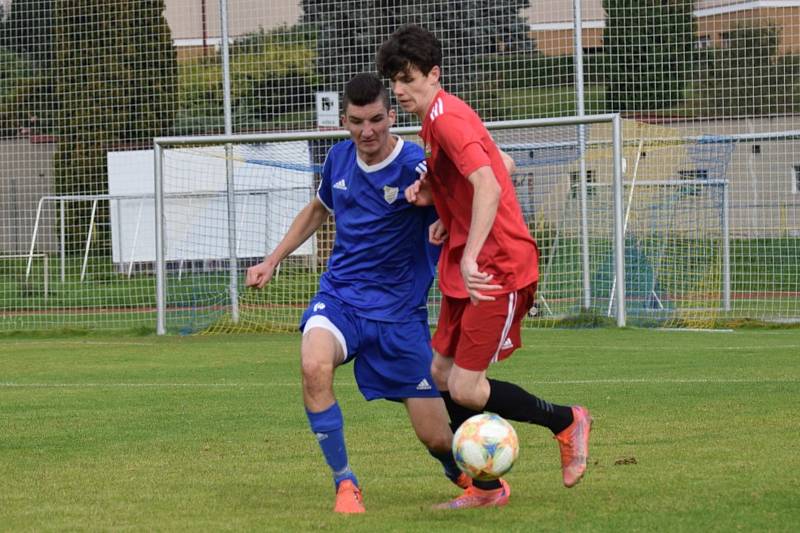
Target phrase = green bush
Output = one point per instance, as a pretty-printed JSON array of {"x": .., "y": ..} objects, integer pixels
[
  {"x": 200, "y": 96},
  {"x": 116, "y": 78},
  {"x": 747, "y": 77},
  {"x": 524, "y": 70},
  {"x": 28, "y": 105},
  {"x": 273, "y": 75},
  {"x": 12, "y": 67},
  {"x": 273, "y": 80},
  {"x": 647, "y": 64},
  {"x": 466, "y": 29}
]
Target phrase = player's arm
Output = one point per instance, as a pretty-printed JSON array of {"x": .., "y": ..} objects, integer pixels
[
  {"x": 485, "y": 199},
  {"x": 307, "y": 221}
]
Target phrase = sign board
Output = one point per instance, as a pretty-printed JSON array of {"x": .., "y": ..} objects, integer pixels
[{"x": 328, "y": 109}]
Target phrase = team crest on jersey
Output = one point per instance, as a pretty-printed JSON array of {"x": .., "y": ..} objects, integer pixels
[{"x": 390, "y": 193}]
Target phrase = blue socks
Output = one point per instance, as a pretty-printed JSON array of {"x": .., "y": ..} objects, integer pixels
[{"x": 328, "y": 427}]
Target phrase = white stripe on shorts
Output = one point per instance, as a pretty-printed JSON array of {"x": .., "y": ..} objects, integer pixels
[
  {"x": 512, "y": 305},
  {"x": 319, "y": 321}
]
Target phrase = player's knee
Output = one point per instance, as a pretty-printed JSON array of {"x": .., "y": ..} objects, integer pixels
[
  {"x": 314, "y": 368},
  {"x": 441, "y": 442},
  {"x": 440, "y": 374},
  {"x": 437, "y": 440},
  {"x": 465, "y": 396}
]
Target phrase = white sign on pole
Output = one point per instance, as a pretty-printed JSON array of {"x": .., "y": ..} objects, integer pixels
[{"x": 328, "y": 109}]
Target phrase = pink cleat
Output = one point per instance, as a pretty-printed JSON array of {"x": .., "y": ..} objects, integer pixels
[
  {"x": 573, "y": 443},
  {"x": 475, "y": 497}
]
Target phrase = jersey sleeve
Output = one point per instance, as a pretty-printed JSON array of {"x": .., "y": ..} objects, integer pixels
[
  {"x": 415, "y": 161},
  {"x": 324, "y": 192},
  {"x": 463, "y": 145}
]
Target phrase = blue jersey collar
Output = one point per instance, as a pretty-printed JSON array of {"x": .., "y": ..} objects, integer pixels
[{"x": 383, "y": 164}]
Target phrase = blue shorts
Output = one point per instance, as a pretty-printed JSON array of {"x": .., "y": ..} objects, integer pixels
[{"x": 392, "y": 359}]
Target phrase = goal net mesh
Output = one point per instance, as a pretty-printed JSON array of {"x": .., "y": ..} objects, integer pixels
[{"x": 673, "y": 225}]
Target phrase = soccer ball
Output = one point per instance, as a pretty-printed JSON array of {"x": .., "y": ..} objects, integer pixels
[{"x": 485, "y": 446}]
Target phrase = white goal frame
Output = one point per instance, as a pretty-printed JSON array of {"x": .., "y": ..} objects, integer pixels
[{"x": 161, "y": 144}]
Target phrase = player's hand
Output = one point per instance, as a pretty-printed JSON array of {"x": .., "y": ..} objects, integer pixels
[
  {"x": 260, "y": 274},
  {"x": 419, "y": 193},
  {"x": 437, "y": 233},
  {"x": 477, "y": 282}
]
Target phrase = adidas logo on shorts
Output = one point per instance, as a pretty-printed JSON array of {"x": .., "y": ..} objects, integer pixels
[{"x": 423, "y": 385}]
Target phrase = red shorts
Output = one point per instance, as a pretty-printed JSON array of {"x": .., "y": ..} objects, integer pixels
[{"x": 477, "y": 335}]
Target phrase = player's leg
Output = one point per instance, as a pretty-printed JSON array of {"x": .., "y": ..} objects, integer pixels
[
  {"x": 429, "y": 419},
  {"x": 491, "y": 334},
  {"x": 394, "y": 363},
  {"x": 473, "y": 390},
  {"x": 465, "y": 403},
  {"x": 445, "y": 340},
  {"x": 323, "y": 349}
]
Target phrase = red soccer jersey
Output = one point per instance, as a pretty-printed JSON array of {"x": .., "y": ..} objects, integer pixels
[{"x": 456, "y": 144}]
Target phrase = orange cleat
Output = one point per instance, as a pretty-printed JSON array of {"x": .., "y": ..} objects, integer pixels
[
  {"x": 348, "y": 498},
  {"x": 573, "y": 443},
  {"x": 475, "y": 497},
  {"x": 463, "y": 481}
]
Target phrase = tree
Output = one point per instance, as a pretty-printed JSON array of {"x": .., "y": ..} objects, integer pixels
[
  {"x": 27, "y": 30},
  {"x": 117, "y": 86},
  {"x": 350, "y": 32},
  {"x": 273, "y": 76},
  {"x": 649, "y": 50},
  {"x": 746, "y": 77}
]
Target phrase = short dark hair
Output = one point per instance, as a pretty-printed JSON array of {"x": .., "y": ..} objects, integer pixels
[
  {"x": 364, "y": 89},
  {"x": 409, "y": 46}
]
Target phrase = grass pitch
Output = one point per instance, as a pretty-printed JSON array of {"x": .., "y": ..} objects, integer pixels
[{"x": 694, "y": 431}]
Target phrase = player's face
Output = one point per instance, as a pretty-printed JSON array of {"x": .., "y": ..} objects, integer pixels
[
  {"x": 369, "y": 128},
  {"x": 414, "y": 90}
]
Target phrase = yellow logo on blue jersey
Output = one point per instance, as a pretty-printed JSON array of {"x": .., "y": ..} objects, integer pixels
[{"x": 390, "y": 193}]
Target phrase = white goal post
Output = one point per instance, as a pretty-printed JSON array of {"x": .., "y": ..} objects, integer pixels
[{"x": 228, "y": 203}]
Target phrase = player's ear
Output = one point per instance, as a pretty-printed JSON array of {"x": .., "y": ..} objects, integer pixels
[
  {"x": 392, "y": 116},
  {"x": 434, "y": 75}
]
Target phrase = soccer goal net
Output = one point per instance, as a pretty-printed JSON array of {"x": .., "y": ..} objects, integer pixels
[
  {"x": 652, "y": 247},
  {"x": 676, "y": 228}
]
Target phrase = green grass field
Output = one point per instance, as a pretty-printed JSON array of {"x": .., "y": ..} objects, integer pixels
[{"x": 694, "y": 432}]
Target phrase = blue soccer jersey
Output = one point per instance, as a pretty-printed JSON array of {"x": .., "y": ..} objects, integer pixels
[{"x": 382, "y": 263}]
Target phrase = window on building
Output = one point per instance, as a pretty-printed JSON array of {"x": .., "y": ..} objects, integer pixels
[
  {"x": 575, "y": 183},
  {"x": 694, "y": 175}
]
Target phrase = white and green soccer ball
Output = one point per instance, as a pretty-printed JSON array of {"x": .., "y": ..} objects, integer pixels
[{"x": 485, "y": 446}]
